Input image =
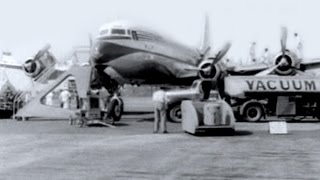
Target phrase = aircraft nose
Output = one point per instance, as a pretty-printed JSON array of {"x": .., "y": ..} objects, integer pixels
[
  {"x": 95, "y": 52},
  {"x": 103, "y": 51},
  {"x": 102, "y": 47}
]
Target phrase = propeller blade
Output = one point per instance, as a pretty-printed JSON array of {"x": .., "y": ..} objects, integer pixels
[
  {"x": 268, "y": 71},
  {"x": 192, "y": 69},
  {"x": 271, "y": 69},
  {"x": 90, "y": 40},
  {"x": 42, "y": 51},
  {"x": 219, "y": 56},
  {"x": 222, "y": 53},
  {"x": 284, "y": 36}
]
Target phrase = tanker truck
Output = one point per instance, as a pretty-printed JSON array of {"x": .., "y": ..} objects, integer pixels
[{"x": 255, "y": 97}]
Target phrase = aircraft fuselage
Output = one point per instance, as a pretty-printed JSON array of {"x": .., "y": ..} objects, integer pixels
[{"x": 143, "y": 58}]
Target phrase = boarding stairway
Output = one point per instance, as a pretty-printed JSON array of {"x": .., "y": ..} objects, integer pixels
[
  {"x": 35, "y": 107},
  {"x": 33, "y": 89},
  {"x": 29, "y": 104}
]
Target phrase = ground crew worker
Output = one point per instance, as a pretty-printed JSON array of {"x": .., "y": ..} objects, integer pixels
[
  {"x": 49, "y": 99},
  {"x": 65, "y": 98},
  {"x": 252, "y": 53},
  {"x": 298, "y": 44},
  {"x": 160, "y": 111},
  {"x": 266, "y": 56},
  {"x": 206, "y": 88},
  {"x": 27, "y": 97},
  {"x": 104, "y": 97}
]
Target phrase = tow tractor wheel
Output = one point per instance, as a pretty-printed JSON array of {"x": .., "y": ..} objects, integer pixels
[
  {"x": 174, "y": 113},
  {"x": 253, "y": 113}
]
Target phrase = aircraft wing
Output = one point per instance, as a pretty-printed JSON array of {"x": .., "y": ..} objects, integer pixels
[
  {"x": 54, "y": 74},
  {"x": 190, "y": 71},
  {"x": 184, "y": 70},
  {"x": 310, "y": 64},
  {"x": 11, "y": 66},
  {"x": 188, "y": 74},
  {"x": 247, "y": 70}
]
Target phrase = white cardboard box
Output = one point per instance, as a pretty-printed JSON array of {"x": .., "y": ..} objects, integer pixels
[{"x": 278, "y": 127}]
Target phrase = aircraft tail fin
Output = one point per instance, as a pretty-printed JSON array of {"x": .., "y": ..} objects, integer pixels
[{"x": 205, "y": 42}]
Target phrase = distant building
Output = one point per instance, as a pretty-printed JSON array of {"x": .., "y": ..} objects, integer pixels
[
  {"x": 7, "y": 58},
  {"x": 79, "y": 56},
  {"x": 16, "y": 77}
]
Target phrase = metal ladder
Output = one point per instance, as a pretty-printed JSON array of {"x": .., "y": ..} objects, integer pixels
[{"x": 19, "y": 100}]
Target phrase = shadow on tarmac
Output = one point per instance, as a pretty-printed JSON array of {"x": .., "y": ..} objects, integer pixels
[
  {"x": 115, "y": 124},
  {"x": 146, "y": 120},
  {"x": 120, "y": 124},
  {"x": 222, "y": 132},
  {"x": 288, "y": 121},
  {"x": 303, "y": 121}
]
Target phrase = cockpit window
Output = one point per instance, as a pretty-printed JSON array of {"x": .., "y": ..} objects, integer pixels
[
  {"x": 104, "y": 32},
  {"x": 118, "y": 31}
]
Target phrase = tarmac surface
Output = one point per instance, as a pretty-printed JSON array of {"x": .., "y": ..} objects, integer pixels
[{"x": 56, "y": 150}]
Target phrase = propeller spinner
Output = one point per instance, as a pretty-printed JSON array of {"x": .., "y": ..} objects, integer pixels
[
  {"x": 284, "y": 63},
  {"x": 210, "y": 70},
  {"x": 34, "y": 66}
]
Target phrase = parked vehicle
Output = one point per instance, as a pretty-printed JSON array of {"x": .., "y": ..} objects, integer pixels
[
  {"x": 175, "y": 97},
  {"x": 253, "y": 98}
]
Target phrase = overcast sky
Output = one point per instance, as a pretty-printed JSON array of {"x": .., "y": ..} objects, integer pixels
[{"x": 27, "y": 25}]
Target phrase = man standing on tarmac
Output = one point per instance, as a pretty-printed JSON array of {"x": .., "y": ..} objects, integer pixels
[
  {"x": 160, "y": 111},
  {"x": 103, "y": 98}
]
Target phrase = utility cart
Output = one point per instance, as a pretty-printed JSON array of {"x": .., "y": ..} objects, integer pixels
[{"x": 92, "y": 113}]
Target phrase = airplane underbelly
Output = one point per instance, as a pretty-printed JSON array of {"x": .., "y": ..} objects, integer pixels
[{"x": 144, "y": 66}]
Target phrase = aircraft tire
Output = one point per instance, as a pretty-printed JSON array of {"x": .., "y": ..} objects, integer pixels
[
  {"x": 253, "y": 112},
  {"x": 117, "y": 109},
  {"x": 174, "y": 113}
]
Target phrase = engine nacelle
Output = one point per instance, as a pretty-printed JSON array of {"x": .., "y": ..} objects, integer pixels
[
  {"x": 33, "y": 68},
  {"x": 204, "y": 73},
  {"x": 291, "y": 62}
]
